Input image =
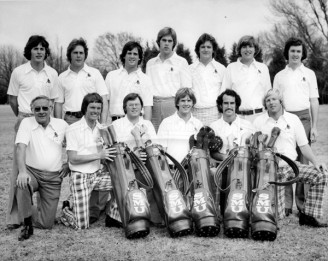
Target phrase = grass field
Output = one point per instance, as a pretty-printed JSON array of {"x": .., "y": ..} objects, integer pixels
[{"x": 100, "y": 243}]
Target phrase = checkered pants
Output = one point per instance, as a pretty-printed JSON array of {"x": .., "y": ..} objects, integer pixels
[
  {"x": 308, "y": 175},
  {"x": 81, "y": 186},
  {"x": 206, "y": 115}
]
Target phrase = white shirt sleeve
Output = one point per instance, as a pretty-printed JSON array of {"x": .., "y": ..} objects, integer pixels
[{"x": 24, "y": 133}]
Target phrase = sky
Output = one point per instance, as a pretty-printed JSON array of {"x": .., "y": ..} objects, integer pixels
[{"x": 62, "y": 20}]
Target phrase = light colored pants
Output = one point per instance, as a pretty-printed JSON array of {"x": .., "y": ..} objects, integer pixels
[{"x": 163, "y": 107}]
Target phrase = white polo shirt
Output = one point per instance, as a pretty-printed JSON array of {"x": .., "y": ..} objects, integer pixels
[
  {"x": 174, "y": 134},
  {"x": 169, "y": 75},
  {"x": 250, "y": 82},
  {"x": 74, "y": 86},
  {"x": 237, "y": 128},
  {"x": 44, "y": 145},
  {"x": 292, "y": 132},
  {"x": 120, "y": 83},
  {"x": 27, "y": 83},
  {"x": 82, "y": 139},
  {"x": 206, "y": 82},
  {"x": 297, "y": 87},
  {"x": 123, "y": 128}
]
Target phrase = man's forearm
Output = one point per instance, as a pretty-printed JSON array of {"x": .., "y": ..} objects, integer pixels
[
  {"x": 13, "y": 104},
  {"x": 314, "y": 110},
  {"x": 21, "y": 155},
  {"x": 81, "y": 159},
  {"x": 104, "y": 113},
  {"x": 308, "y": 154},
  {"x": 58, "y": 112}
]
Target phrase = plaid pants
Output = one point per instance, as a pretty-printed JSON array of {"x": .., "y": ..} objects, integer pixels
[
  {"x": 308, "y": 175},
  {"x": 81, "y": 186},
  {"x": 206, "y": 115}
]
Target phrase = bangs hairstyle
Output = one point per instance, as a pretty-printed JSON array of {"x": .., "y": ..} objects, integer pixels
[
  {"x": 269, "y": 93},
  {"x": 247, "y": 40},
  {"x": 293, "y": 41},
  {"x": 129, "y": 46},
  {"x": 164, "y": 32},
  {"x": 131, "y": 97},
  {"x": 41, "y": 97},
  {"x": 206, "y": 38},
  {"x": 34, "y": 41},
  {"x": 73, "y": 44},
  {"x": 228, "y": 92},
  {"x": 91, "y": 98},
  {"x": 183, "y": 92}
]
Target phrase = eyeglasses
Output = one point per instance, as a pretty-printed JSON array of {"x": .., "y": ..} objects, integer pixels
[{"x": 44, "y": 108}]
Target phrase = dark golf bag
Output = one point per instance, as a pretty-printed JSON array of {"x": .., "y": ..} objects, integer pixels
[
  {"x": 132, "y": 203},
  {"x": 169, "y": 199},
  {"x": 203, "y": 209},
  {"x": 264, "y": 211}
]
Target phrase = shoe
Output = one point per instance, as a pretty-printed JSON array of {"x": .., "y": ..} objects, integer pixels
[
  {"x": 92, "y": 220},
  {"x": 27, "y": 230},
  {"x": 310, "y": 221},
  {"x": 288, "y": 211},
  {"x": 13, "y": 226},
  {"x": 110, "y": 222}
]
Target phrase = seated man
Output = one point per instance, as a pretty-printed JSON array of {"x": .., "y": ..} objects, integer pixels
[
  {"x": 292, "y": 134},
  {"x": 39, "y": 157},
  {"x": 85, "y": 150},
  {"x": 130, "y": 130}
]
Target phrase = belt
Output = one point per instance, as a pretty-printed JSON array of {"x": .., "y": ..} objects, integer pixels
[
  {"x": 159, "y": 98},
  {"x": 251, "y": 112},
  {"x": 77, "y": 114},
  {"x": 116, "y": 117}
]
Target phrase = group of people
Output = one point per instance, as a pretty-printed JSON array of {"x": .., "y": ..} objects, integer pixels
[{"x": 169, "y": 103}]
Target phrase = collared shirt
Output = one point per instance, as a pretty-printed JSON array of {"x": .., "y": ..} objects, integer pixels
[
  {"x": 297, "y": 87},
  {"x": 206, "y": 82},
  {"x": 250, "y": 82},
  {"x": 233, "y": 131},
  {"x": 292, "y": 132},
  {"x": 44, "y": 145},
  {"x": 169, "y": 75},
  {"x": 120, "y": 83},
  {"x": 85, "y": 141},
  {"x": 27, "y": 83},
  {"x": 123, "y": 128},
  {"x": 174, "y": 134},
  {"x": 74, "y": 86}
]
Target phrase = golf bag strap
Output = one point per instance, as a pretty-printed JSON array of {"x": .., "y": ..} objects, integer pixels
[
  {"x": 222, "y": 166},
  {"x": 142, "y": 168},
  {"x": 294, "y": 167},
  {"x": 181, "y": 170}
]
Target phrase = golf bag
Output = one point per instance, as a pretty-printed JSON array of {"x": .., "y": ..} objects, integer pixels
[
  {"x": 132, "y": 203},
  {"x": 203, "y": 209},
  {"x": 169, "y": 199}
]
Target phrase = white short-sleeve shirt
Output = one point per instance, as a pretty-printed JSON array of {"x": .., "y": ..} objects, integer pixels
[
  {"x": 74, "y": 86},
  {"x": 123, "y": 128},
  {"x": 292, "y": 132},
  {"x": 297, "y": 87},
  {"x": 44, "y": 145},
  {"x": 120, "y": 83},
  {"x": 85, "y": 141},
  {"x": 206, "y": 82},
  {"x": 250, "y": 82},
  {"x": 174, "y": 134},
  {"x": 169, "y": 75},
  {"x": 236, "y": 130},
  {"x": 27, "y": 83}
]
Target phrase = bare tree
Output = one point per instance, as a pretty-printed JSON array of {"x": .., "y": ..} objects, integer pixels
[{"x": 108, "y": 48}]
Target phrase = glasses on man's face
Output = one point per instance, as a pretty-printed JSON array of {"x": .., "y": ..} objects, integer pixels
[{"x": 44, "y": 108}]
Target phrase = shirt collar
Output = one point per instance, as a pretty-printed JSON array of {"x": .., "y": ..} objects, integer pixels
[
  {"x": 300, "y": 68},
  {"x": 36, "y": 125},
  {"x": 254, "y": 64},
  {"x": 127, "y": 122},
  {"x": 85, "y": 68},
  {"x": 45, "y": 68},
  {"x": 211, "y": 63},
  {"x": 171, "y": 59},
  {"x": 123, "y": 70},
  {"x": 86, "y": 126}
]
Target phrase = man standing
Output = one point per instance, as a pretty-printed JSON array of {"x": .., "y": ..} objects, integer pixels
[
  {"x": 207, "y": 75},
  {"x": 129, "y": 79},
  {"x": 39, "y": 157},
  {"x": 85, "y": 150},
  {"x": 168, "y": 73},
  {"x": 28, "y": 81},
  {"x": 77, "y": 81},
  {"x": 175, "y": 131},
  {"x": 249, "y": 78},
  {"x": 298, "y": 86},
  {"x": 230, "y": 127},
  {"x": 292, "y": 134}
]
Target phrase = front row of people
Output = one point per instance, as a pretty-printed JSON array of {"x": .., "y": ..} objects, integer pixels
[{"x": 39, "y": 150}]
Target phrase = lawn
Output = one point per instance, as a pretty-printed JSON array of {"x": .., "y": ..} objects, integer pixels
[{"x": 100, "y": 243}]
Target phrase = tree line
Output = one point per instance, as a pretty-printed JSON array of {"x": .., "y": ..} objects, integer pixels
[{"x": 306, "y": 19}]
